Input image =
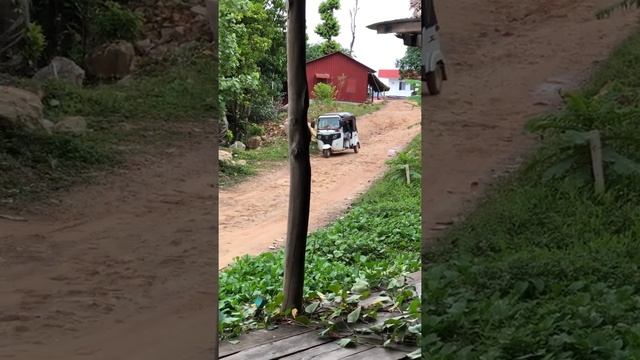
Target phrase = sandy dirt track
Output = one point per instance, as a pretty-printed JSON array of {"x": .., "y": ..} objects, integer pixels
[
  {"x": 253, "y": 215},
  {"x": 122, "y": 270}
]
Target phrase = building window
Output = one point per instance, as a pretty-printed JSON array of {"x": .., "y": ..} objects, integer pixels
[{"x": 401, "y": 85}]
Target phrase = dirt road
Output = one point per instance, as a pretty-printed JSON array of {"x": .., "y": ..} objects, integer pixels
[
  {"x": 122, "y": 270},
  {"x": 253, "y": 215}
]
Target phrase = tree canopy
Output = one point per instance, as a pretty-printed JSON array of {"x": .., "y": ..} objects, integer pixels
[
  {"x": 252, "y": 58},
  {"x": 329, "y": 27},
  {"x": 410, "y": 63}
]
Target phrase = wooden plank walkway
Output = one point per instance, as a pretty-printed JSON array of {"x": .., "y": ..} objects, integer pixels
[{"x": 290, "y": 342}]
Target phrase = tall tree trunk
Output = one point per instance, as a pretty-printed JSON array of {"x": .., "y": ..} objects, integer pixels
[
  {"x": 300, "y": 167},
  {"x": 212, "y": 14}
]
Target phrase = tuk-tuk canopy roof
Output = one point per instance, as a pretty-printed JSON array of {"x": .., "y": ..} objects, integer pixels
[{"x": 345, "y": 117}]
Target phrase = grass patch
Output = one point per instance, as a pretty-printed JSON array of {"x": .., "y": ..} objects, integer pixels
[
  {"x": 376, "y": 241},
  {"x": 147, "y": 113},
  {"x": 544, "y": 270},
  {"x": 271, "y": 154},
  {"x": 416, "y": 99}
]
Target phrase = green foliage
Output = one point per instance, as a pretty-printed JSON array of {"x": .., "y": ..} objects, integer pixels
[
  {"x": 616, "y": 124},
  {"x": 410, "y": 63},
  {"x": 115, "y": 22},
  {"x": 325, "y": 93},
  {"x": 252, "y": 57},
  {"x": 547, "y": 270},
  {"x": 179, "y": 90},
  {"x": 34, "y": 43},
  {"x": 314, "y": 51},
  {"x": 329, "y": 27},
  {"x": 35, "y": 163},
  {"x": 398, "y": 164},
  {"x": 255, "y": 130},
  {"x": 378, "y": 240}
]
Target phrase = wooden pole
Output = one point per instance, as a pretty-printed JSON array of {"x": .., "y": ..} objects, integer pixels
[
  {"x": 407, "y": 173},
  {"x": 299, "y": 164},
  {"x": 212, "y": 14},
  {"x": 596, "y": 160}
]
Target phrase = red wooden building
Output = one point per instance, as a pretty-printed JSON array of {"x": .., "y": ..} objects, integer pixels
[{"x": 353, "y": 80}]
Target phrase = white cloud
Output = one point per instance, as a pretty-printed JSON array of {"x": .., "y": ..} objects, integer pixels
[{"x": 378, "y": 51}]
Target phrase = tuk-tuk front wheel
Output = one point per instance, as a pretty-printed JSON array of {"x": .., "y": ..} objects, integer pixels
[
  {"x": 356, "y": 148},
  {"x": 326, "y": 153}
]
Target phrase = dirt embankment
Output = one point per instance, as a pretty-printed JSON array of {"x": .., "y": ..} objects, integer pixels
[{"x": 123, "y": 270}]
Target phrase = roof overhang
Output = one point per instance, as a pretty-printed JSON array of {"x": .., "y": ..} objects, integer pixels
[{"x": 409, "y": 30}]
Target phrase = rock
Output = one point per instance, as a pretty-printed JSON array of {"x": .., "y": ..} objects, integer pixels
[
  {"x": 241, "y": 162},
  {"x": 125, "y": 80},
  {"x": 47, "y": 125},
  {"x": 54, "y": 103},
  {"x": 254, "y": 142},
  {"x": 75, "y": 125},
  {"x": 225, "y": 157},
  {"x": 63, "y": 69},
  {"x": 199, "y": 10},
  {"x": 143, "y": 46},
  {"x": 20, "y": 108},
  {"x": 238, "y": 145},
  {"x": 113, "y": 60}
]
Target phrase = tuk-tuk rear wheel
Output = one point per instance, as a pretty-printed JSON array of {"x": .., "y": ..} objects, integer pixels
[{"x": 355, "y": 148}]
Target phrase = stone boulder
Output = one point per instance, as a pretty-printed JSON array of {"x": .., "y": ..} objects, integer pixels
[
  {"x": 254, "y": 142},
  {"x": 225, "y": 157},
  {"x": 20, "y": 108},
  {"x": 74, "y": 125},
  {"x": 112, "y": 61},
  {"x": 61, "y": 68},
  {"x": 238, "y": 145}
]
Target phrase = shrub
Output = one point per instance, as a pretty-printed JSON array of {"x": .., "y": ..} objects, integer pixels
[
  {"x": 114, "y": 22},
  {"x": 255, "y": 130},
  {"x": 264, "y": 109},
  {"x": 325, "y": 93},
  {"x": 34, "y": 44}
]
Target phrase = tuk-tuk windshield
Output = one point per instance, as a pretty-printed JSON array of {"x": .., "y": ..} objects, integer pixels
[{"x": 329, "y": 123}]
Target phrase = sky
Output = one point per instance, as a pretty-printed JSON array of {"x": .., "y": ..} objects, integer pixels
[{"x": 377, "y": 51}]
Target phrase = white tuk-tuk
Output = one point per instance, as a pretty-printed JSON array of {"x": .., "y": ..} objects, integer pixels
[{"x": 337, "y": 132}]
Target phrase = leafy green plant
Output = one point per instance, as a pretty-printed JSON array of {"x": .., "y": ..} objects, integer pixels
[
  {"x": 572, "y": 130},
  {"x": 255, "y": 130},
  {"x": 115, "y": 22},
  {"x": 325, "y": 93},
  {"x": 34, "y": 44},
  {"x": 398, "y": 164},
  {"x": 345, "y": 261}
]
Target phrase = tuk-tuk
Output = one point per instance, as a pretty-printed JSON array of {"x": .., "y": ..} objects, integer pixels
[{"x": 337, "y": 132}]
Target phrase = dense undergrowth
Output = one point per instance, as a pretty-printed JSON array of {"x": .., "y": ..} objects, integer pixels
[
  {"x": 377, "y": 241},
  {"x": 547, "y": 269},
  {"x": 148, "y": 111}
]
